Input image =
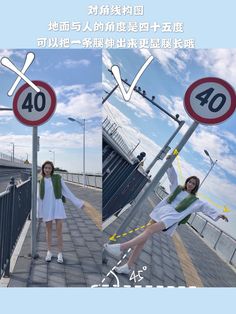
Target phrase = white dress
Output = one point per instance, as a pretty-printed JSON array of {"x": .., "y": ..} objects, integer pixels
[
  {"x": 169, "y": 216},
  {"x": 50, "y": 208}
]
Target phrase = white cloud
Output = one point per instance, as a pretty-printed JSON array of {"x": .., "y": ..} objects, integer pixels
[
  {"x": 6, "y": 53},
  {"x": 71, "y": 64},
  {"x": 81, "y": 106},
  {"x": 203, "y": 139},
  {"x": 229, "y": 136},
  {"x": 173, "y": 61},
  {"x": 63, "y": 140},
  {"x": 73, "y": 90},
  {"x": 144, "y": 52},
  {"x": 218, "y": 148},
  {"x": 220, "y": 62},
  {"x": 175, "y": 106},
  {"x": 106, "y": 58},
  {"x": 80, "y": 101},
  {"x": 5, "y": 120},
  {"x": 58, "y": 123}
]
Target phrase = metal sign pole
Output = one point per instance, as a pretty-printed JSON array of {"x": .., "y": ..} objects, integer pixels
[
  {"x": 157, "y": 177},
  {"x": 34, "y": 190},
  {"x": 165, "y": 146}
]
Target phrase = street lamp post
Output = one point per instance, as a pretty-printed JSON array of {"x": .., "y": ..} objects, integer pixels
[
  {"x": 13, "y": 152},
  {"x": 83, "y": 125},
  {"x": 131, "y": 152},
  {"x": 212, "y": 165},
  {"x": 52, "y": 151}
]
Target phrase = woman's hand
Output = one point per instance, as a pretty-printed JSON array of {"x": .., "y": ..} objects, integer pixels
[{"x": 223, "y": 217}]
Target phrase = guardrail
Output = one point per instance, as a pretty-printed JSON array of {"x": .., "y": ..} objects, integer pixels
[
  {"x": 94, "y": 180},
  {"x": 10, "y": 158},
  {"x": 220, "y": 241},
  {"x": 111, "y": 129},
  {"x": 15, "y": 206}
]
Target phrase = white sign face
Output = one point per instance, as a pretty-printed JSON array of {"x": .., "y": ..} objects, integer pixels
[
  {"x": 210, "y": 100},
  {"x": 34, "y": 108}
]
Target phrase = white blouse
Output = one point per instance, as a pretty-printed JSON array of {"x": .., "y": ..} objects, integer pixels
[
  {"x": 50, "y": 208},
  {"x": 166, "y": 212}
]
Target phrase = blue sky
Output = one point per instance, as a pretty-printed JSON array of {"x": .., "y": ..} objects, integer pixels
[
  {"x": 167, "y": 78},
  {"x": 75, "y": 76}
]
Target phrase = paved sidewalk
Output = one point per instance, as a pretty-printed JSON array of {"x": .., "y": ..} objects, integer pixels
[
  {"x": 184, "y": 260},
  {"x": 82, "y": 249}
]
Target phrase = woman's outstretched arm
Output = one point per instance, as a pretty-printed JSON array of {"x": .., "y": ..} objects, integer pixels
[
  {"x": 68, "y": 194},
  {"x": 211, "y": 212},
  {"x": 172, "y": 176}
]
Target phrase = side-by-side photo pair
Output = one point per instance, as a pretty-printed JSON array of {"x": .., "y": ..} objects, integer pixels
[{"x": 117, "y": 168}]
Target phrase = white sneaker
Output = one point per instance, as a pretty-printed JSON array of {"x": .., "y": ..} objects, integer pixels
[
  {"x": 113, "y": 249},
  {"x": 48, "y": 257},
  {"x": 60, "y": 258},
  {"x": 124, "y": 269}
]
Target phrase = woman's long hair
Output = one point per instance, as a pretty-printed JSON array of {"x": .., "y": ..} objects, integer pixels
[
  {"x": 194, "y": 191},
  {"x": 44, "y": 164}
]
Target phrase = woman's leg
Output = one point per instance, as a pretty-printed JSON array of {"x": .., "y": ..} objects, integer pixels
[
  {"x": 135, "y": 254},
  {"x": 142, "y": 238},
  {"x": 49, "y": 234},
  {"x": 59, "y": 234}
]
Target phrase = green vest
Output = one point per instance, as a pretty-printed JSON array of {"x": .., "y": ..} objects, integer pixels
[
  {"x": 185, "y": 203},
  {"x": 56, "y": 183}
]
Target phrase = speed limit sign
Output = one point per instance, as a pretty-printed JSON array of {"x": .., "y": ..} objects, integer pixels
[
  {"x": 210, "y": 100},
  {"x": 34, "y": 108}
]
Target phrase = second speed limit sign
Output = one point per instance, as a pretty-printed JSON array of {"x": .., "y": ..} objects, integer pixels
[
  {"x": 210, "y": 100},
  {"x": 34, "y": 108}
]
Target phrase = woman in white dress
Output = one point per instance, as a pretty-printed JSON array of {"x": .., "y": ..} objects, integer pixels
[
  {"x": 52, "y": 194},
  {"x": 165, "y": 217}
]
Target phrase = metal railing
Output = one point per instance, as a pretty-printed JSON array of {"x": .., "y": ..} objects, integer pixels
[
  {"x": 10, "y": 158},
  {"x": 93, "y": 180},
  {"x": 220, "y": 241},
  {"x": 15, "y": 206},
  {"x": 111, "y": 128}
]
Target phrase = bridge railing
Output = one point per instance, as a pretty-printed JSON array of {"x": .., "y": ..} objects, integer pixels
[
  {"x": 111, "y": 129},
  {"x": 10, "y": 158},
  {"x": 220, "y": 241},
  {"x": 93, "y": 180},
  {"x": 15, "y": 206}
]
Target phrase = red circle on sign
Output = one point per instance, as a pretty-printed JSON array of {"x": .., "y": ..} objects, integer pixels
[
  {"x": 204, "y": 120},
  {"x": 49, "y": 113}
]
